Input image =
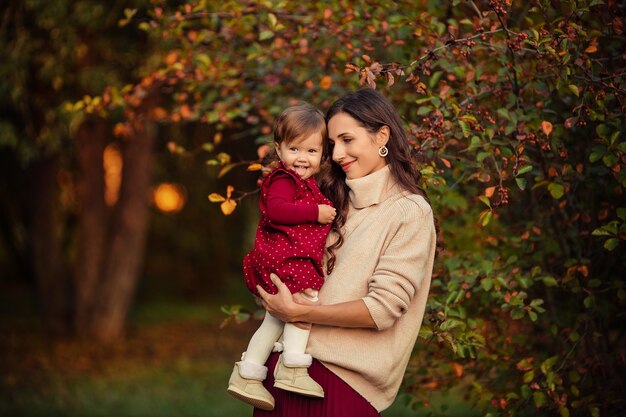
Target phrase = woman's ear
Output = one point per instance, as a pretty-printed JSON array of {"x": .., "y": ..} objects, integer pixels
[{"x": 382, "y": 136}]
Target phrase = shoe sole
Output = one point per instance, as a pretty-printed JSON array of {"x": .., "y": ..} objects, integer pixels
[
  {"x": 253, "y": 401},
  {"x": 298, "y": 390}
]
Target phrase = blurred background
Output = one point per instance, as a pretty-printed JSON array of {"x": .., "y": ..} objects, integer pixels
[{"x": 133, "y": 135}]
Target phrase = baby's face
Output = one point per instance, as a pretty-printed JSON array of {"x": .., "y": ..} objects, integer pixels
[{"x": 303, "y": 155}]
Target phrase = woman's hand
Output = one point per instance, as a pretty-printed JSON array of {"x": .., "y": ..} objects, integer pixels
[{"x": 283, "y": 305}]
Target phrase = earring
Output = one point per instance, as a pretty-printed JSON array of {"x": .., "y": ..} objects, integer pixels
[{"x": 383, "y": 151}]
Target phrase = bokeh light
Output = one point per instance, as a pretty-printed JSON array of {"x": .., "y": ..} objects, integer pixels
[{"x": 169, "y": 197}]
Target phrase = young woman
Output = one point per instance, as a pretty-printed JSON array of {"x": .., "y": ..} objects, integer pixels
[{"x": 382, "y": 250}]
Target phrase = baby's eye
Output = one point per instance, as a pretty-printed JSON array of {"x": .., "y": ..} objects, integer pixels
[
  {"x": 293, "y": 149},
  {"x": 312, "y": 150}
]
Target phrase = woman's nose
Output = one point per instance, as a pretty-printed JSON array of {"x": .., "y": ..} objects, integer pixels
[{"x": 338, "y": 152}]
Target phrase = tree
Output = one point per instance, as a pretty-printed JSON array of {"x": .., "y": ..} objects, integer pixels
[
  {"x": 517, "y": 112},
  {"x": 59, "y": 53}
]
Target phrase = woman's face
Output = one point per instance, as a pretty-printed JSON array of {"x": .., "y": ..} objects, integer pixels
[{"x": 354, "y": 148}]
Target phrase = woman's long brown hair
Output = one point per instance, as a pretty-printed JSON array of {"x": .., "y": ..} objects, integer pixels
[{"x": 372, "y": 111}]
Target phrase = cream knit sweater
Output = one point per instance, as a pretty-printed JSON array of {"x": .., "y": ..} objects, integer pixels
[{"x": 386, "y": 260}]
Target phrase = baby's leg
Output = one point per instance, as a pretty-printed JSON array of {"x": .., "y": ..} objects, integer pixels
[
  {"x": 310, "y": 294},
  {"x": 262, "y": 342},
  {"x": 245, "y": 382},
  {"x": 291, "y": 372}
]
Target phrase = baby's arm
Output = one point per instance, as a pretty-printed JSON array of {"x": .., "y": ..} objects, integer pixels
[
  {"x": 280, "y": 206},
  {"x": 326, "y": 214}
]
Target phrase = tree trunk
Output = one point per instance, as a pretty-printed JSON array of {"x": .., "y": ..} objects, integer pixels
[
  {"x": 45, "y": 229},
  {"x": 123, "y": 263},
  {"x": 92, "y": 224}
]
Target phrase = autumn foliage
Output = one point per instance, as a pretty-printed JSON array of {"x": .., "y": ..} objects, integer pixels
[{"x": 516, "y": 112}]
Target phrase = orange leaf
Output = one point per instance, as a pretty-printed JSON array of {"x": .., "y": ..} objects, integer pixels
[
  {"x": 262, "y": 151},
  {"x": 228, "y": 206},
  {"x": 159, "y": 113},
  {"x": 229, "y": 191},
  {"x": 431, "y": 385},
  {"x": 458, "y": 369},
  {"x": 546, "y": 127},
  {"x": 446, "y": 162},
  {"x": 326, "y": 82},
  {"x": 185, "y": 112},
  {"x": 171, "y": 58},
  {"x": 216, "y": 198},
  {"x": 591, "y": 49},
  {"x": 366, "y": 58},
  {"x": 552, "y": 172},
  {"x": 489, "y": 191},
  {"x": 254, "y": 167}
]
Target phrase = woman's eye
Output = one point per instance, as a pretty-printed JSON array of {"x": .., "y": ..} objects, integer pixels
[{"x": 347, "y": 140}]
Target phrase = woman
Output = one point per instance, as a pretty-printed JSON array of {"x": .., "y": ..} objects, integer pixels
[{"x": 381, "y": 256}]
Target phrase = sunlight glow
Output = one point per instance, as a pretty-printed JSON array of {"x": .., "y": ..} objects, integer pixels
[
  {"x": 169, "y": 198},
  {"x": 112, "y": 164}
]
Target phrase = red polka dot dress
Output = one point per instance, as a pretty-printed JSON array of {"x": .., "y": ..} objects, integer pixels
[{"x": 289, "y": 241}]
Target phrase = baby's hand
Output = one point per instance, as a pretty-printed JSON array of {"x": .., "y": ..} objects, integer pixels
[{"x": 326, "y": 214}]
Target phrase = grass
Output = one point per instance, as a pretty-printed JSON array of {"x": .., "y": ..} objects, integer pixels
[{"x": 175, "y": 362}]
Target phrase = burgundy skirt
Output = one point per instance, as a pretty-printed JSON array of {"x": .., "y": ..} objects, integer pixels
[{"x": 340, "y": 400}]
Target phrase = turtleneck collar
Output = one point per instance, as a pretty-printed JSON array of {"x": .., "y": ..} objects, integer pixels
[{"x": 371, "y": 189}]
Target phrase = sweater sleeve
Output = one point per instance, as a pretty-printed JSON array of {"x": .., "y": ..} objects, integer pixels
[
  {"x": 281, "y": 208},
  {"x": 402, "y": 265}
]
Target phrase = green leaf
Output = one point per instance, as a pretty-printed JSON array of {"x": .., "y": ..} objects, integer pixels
[
  {"x": 521, "y": 183},
  {"x": 621, "y": 213},
  {"x": 482, "y": 156},
  {"x": 486, "y": 284},
  {"x": 594, "y": 283},
  {"x": 610, "y": 160},
  {"x": 272, "y": 19},
  {"x": 597, "y": 153},
  {"x": 539, "y": 398},
  {"x": 550, "y": 282},
  {"x": 485, "y": 200},
  {"x": 266, "y": 34},
  {"x": 465, "y": 128},
  {"x": 556, "y": 190},
  {"x": 529, "y": 376},
  {"x": 485, "y": 217},
  {"x": 573, "y": 89},
  {"x": 601, "y": 231},
  {"x": 434, "y": 79},
  {"x": 547, "y": 365},
  {"x": 504, "y": 113},
  {"x": 524, "y": 169},
  {"x": 611, "y": 244}
]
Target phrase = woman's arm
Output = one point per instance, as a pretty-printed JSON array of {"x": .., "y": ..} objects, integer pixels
[{"x": 282, "y": 306}]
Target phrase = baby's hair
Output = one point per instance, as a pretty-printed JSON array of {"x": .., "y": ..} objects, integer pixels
[{"x": 299, "y": 121}]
